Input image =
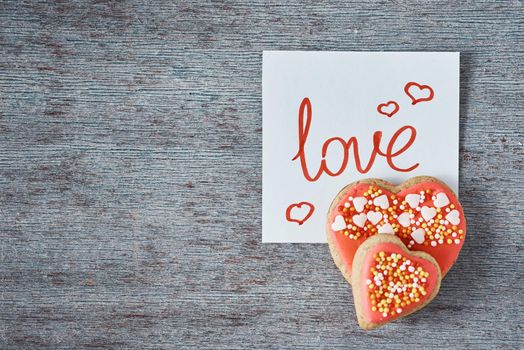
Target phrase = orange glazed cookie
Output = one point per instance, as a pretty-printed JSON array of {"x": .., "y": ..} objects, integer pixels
[
  {"x": 390, "y": 282},
  {"x": 423, "y": 212}
]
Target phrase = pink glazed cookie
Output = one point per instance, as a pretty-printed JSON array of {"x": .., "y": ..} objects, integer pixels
[
  {"x": 423, "y": 212},
  {"x": 389, "y": 281}
]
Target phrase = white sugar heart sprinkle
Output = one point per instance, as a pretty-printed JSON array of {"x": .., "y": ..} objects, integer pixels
[
  {"x": 338, "y": 224},
  {"x": 359, "y": 203},
  {"x": 386, "y": 228},
  {"x": 453, "y": 217},
  {"x": 382, "y": 201},
  {"x": 428, "y": 213},
  {"x": 360, "y": 219},
  {"x": 413, "y": 199},
  {"x": 403, "y": 219},
  {"x": 418, "y": 235},
  {"x": 441, "y": 200},
  {"x": 374, "y": 217}
]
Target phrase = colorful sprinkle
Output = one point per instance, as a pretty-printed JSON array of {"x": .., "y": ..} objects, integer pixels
[
  {"x": 426, "y": 218},
  {"x": 395, "y": 282}
]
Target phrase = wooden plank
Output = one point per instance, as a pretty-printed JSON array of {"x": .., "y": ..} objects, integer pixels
[{"x": 130, "y": 176}]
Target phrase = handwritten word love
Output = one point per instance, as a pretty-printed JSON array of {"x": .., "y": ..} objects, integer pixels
[{"x": 305, "y": 116}]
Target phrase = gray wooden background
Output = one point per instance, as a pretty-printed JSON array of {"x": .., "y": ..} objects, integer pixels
[{"x": 130, "y": 176}]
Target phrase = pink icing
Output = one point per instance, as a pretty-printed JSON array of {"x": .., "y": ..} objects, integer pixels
[{"x": 445, "y": 254}]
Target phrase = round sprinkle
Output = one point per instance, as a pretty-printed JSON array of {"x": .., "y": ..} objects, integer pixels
[{"x": 394, "y": 287}]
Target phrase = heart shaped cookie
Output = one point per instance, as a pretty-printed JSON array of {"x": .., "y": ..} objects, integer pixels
[
  {"x": 423, "y": 212},
  {"x": 390, "y": 282}
]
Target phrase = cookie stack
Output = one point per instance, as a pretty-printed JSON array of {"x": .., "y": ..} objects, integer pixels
[{"x": 394, "y": 244}]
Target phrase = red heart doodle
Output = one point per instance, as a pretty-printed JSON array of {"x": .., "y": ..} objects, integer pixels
[
  {"x": 305, "y": 213},
  {"x": 418, "y": 93},
  {"x": 388, "y": 109}
]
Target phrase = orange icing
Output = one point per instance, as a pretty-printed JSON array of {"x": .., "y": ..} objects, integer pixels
[{"x": 435, "y": 224}]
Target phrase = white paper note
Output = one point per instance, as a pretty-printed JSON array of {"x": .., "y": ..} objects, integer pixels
[{"x": 390, "y": 115}]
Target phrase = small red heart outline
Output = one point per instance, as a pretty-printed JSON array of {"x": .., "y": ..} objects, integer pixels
[
  {"x": 298, "y": 206},
  {"x": 380, "y": 108},
  {"x": 420, "y": 87}
]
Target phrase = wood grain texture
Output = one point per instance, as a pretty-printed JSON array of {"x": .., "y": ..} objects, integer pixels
[{"x": 130, "y": 176}]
